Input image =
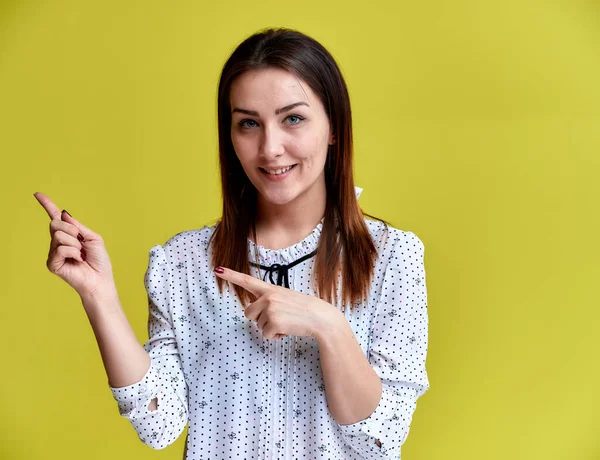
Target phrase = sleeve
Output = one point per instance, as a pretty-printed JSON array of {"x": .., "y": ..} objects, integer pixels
[
  {"x": 397, "y": 353},
  {"x": 164, "y": 379}
]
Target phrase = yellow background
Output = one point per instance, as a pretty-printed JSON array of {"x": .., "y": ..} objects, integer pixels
[{"x": 477, "y": 126}]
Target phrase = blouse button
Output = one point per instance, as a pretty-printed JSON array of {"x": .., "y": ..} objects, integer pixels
[{"x": 143, "y": 388}]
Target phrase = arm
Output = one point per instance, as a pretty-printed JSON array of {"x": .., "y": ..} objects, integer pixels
[
  {"x": 352, "y": 387},
  {"x": 156, "y": 403},
  {"x": 375, "y": 414},
  {"x": 125, "y": 360}
]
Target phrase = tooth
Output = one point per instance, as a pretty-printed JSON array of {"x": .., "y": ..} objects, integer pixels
[{"x": 279, "y": 171}]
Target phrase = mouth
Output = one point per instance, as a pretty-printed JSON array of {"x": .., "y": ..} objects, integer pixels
[
  {"x": 277, "y": 172},
  {"x": 278, "y": 175}
]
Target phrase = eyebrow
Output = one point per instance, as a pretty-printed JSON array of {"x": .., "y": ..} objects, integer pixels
[{"x": 277, "y": 112}]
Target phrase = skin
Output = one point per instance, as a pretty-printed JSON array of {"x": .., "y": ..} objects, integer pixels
[
  {"x": 287, "y": 210},
  {"x": 352, "y": 387},
  {"x": 78, "y": 256},
  {"x": 281, "y": 311}
]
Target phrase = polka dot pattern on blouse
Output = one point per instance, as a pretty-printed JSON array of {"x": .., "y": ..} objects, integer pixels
[{"x": 245, "y": 396}]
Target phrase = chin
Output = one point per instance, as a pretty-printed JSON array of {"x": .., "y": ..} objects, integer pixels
[{"x": 279, "y": 199}]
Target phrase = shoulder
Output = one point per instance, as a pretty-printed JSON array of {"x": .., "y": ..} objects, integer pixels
[
  {"x": 189, "y": 242},
  {"x": 392, "y": 242}
]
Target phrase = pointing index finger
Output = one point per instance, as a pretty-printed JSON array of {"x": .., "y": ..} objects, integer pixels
[
  {"x": 249, "y": 283},
  {"x": 49, "y": 206}
]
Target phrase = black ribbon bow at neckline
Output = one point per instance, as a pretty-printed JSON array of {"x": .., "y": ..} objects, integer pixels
[{"x": 281, "y": 270}]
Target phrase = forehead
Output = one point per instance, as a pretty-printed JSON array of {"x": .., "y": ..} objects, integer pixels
[{"x": 269, "y": 87}]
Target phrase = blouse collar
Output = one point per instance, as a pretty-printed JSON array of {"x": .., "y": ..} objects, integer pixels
[{"x": 291, "y": 253}]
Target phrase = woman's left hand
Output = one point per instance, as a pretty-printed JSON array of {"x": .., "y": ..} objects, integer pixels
[{"x": 279, "y": 311}]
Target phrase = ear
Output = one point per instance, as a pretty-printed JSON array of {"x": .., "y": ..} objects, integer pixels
[{"x": 332, "y": 139}]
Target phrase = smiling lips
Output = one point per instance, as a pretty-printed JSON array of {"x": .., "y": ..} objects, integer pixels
[
  {"x": 277, "y": 174},
  {"x": 277, "y": 170}
]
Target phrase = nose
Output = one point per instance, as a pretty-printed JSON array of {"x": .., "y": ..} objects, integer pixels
[{"x": 272, "y": 143}]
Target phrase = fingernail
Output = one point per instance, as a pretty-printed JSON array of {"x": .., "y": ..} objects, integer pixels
[
  {"x": 64, "y": 210},
  {"x": 80, "y": 237},
  {"x": 83, "y": 254},
  {"x": 220, "y": 270}
]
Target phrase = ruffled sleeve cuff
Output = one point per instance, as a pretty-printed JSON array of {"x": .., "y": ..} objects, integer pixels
[
  {"x": 389, "y": 424},
  {"x": 133, "y": 400}
]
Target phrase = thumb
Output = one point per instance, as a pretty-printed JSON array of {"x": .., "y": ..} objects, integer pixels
[{"x": 85, "y": 232}]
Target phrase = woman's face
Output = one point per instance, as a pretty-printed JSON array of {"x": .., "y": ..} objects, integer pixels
[{"x": 278, "y": 122}]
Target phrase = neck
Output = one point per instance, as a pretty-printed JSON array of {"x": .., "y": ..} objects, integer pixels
[{"x": 280, "y": 226}]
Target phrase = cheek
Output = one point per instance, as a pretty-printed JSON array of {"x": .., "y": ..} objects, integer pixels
[
  {"x": 320, "y": 148},
  {"x": 312, "y": 147},
  {"x": 243, "y": 147}
]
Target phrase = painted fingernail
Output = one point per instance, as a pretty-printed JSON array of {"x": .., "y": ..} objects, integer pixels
[
  {"x": 220, "y": 270},
  {"x": 83, "y": 254},
  {"x": 64, "y": 210},
  {"x": 80, "y": 237}
]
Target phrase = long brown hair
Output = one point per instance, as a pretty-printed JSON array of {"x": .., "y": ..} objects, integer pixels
[{"x": 345, "y": 245}]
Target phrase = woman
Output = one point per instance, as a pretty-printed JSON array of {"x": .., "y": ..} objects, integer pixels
[{"x": 292, "y": 328}]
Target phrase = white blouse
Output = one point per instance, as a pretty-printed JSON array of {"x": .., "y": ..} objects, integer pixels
[{"x": 245, "y": 396}]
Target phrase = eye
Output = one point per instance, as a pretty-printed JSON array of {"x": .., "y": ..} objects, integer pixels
[
  {"x": 295, "y": 119},
  {"x": 247, "y": 123}
]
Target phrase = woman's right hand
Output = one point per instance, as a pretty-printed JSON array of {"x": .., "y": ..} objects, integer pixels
[{"x": 77, "y": 254}]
